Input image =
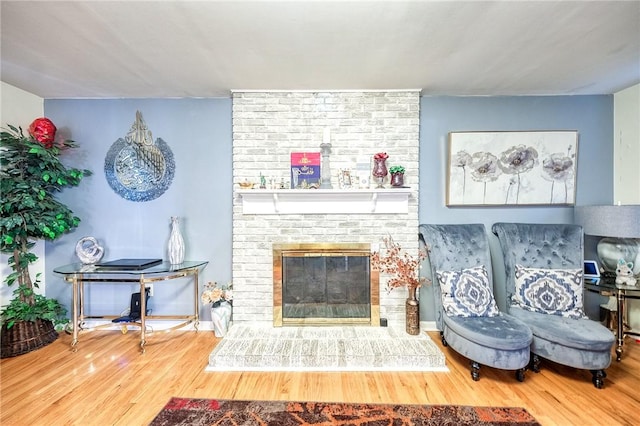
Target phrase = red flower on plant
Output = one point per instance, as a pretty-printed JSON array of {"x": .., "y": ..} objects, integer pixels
[
  {"x": 44, "y": 131},
  {"x": 381, "y": 156}
]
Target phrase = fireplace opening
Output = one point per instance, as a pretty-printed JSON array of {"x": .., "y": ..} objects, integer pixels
[
  {"x": 316, "y": 286},
  {"x": 325, "y": 284}
]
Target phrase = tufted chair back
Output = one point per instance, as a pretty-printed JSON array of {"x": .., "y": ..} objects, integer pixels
[
  {"x": 549, "y": 246},
  {"x": 455, "y": 247}
]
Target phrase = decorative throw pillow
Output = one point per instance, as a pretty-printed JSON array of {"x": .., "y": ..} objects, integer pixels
[
  {"x": 549, "y": 291},
  {"x": 467, "y": 293}
]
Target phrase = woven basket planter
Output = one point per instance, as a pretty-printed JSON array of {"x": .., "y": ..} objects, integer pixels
[{"x": 26, "y": 336}]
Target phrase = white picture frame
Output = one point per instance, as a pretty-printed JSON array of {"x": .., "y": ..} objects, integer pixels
[{"x": 504, "y": 168}]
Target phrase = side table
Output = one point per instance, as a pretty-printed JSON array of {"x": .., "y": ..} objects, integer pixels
[
  {"x": 80, "y": 275},
  {"x": 621, "y": 293}
]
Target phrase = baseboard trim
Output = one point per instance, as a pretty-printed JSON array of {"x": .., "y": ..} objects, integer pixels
[
  {"x": 428, "y": 326},
  {"x": 161, "y": 325}
]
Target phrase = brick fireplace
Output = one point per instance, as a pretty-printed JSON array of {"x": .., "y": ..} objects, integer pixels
[{"x": 267, "y": 127}]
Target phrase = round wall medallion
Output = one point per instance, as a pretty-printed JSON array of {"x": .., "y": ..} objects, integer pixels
[{"x": 136, "y": 167}]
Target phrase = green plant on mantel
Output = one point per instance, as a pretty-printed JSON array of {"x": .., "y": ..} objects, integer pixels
[
  {"x": 31, "y": 173},
  {"x": 396, "y": 169}
]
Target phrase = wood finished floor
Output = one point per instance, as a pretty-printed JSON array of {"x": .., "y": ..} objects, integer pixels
[{"x": 108, "y": 382}]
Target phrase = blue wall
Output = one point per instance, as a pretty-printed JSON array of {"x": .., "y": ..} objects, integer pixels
[
  {"x": 591, "y": 116},
  {"x": 198, "y": 131},
  {"x": 199, "y": 134}
]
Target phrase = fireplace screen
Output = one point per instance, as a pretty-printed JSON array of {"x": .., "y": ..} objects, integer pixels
[{"x": 324, "y": 284}]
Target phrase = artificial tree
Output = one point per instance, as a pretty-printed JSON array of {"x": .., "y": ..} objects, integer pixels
[{"x": 31, "y": 173}]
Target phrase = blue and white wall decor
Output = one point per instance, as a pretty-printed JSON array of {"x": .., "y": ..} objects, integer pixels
[{"x": 136, "y": 167}]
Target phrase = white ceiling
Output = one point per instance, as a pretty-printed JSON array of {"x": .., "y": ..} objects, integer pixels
[{"x": 133, "y": 49}]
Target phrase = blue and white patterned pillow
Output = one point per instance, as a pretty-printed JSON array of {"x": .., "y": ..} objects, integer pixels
[
  {"x": 467, "y": 293},
  {"x": 549, "y": 291}
]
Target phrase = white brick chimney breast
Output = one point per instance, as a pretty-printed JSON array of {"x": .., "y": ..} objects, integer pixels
[{"x": 267, "y": 127}]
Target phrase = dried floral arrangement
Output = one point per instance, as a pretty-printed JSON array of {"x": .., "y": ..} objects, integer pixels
[
  {"x": 403, "y": 267},
  {"x": 215, "y": 294}
]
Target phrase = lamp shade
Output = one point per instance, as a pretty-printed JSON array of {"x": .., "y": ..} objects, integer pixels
[
  {"x": 620, "y": 227},
  {"x": 609, "y": 221}
]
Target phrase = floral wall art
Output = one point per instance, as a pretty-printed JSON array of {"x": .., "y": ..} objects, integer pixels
[{"x": 512, "y": 168}]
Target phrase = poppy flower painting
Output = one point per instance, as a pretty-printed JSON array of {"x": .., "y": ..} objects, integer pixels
[{"x": 512, "y": 168}]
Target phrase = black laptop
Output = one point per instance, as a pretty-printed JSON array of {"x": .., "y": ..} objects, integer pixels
[{"x": 130, "y": 264}]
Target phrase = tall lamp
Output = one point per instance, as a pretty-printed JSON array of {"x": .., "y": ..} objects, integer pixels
[{"x": 620, "y": 227}]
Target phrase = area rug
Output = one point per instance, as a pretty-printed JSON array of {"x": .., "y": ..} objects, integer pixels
[
  {"x": 349, "y": 348},
  {"x": 196, "y": 412}
]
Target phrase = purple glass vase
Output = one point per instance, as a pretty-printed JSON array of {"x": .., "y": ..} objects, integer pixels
[{"x": 380, "y": 170}]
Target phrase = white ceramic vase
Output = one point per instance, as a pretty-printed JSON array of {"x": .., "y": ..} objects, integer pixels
[
  {"x": 221, "y": 316},
  {"x": 175, "y": 247}
]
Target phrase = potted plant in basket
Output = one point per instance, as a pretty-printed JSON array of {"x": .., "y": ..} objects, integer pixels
[
  {"x": 404, "y": 271},
  {"x": 31, "y": 173}
]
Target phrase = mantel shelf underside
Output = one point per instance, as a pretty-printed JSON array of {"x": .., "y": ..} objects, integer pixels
[{"x": 325, "y": 201}]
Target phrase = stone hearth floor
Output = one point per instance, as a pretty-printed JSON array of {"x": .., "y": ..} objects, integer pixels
[{"x": 344, "y": 348}]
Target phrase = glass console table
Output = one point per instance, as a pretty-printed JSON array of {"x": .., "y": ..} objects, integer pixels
[
  {"x": 79, "y": 275},
  {"x": 621, "y": 293}
]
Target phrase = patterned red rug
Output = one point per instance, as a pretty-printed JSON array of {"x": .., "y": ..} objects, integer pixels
[{"x": 186, "y": 411}]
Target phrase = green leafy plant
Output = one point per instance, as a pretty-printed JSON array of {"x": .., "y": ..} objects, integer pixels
[
  {"x": 31, "y": 173},
  {"x": 396, "y": 169},
  {"x": 41, "y": 308}
]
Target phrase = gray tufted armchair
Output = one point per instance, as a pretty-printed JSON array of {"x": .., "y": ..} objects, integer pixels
[
  {"x": 574, "y": 341},
  {"x": 496, "y": 340}
]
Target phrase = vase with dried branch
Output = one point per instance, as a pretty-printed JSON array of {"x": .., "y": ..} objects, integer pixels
[{"x": 403, "y": 269}]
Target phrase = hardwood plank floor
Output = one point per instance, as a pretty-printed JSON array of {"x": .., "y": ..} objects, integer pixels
[{"x": 108, "y": 382}]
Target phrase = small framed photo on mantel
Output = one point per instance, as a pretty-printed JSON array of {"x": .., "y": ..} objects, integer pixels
[
  {"x": 512, "y": 168},
  {"x": 344, "y": 179}
]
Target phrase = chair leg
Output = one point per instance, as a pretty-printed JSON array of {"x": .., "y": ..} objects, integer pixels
[
  {"x": 598, "y": 378},
  {"x": 534, "y": 363},
  {"x": 443, "y": 340},
  {"x": 475, "y": 371},
  {"x": 520, "y": 374}
]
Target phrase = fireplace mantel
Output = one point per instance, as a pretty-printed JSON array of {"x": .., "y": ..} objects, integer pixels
[{"x": 323, "y": 201}]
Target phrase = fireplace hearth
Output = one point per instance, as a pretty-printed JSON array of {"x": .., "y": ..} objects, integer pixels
[{"x": 325, "y": 284}]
